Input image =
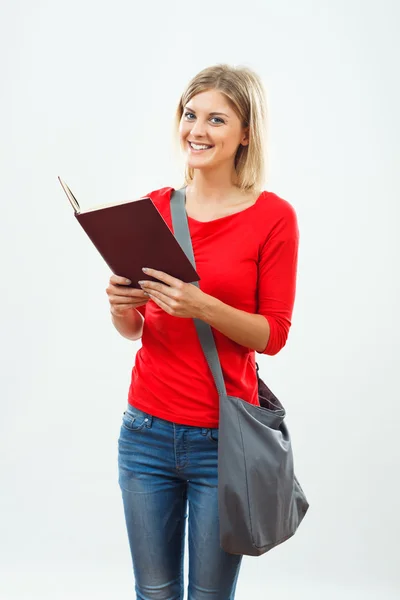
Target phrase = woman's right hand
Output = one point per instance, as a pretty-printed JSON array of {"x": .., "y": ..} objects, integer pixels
[{"x": 122, "y": 298}]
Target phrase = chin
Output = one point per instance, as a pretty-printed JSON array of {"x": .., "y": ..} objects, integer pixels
[{"x": 197, "y": 165}]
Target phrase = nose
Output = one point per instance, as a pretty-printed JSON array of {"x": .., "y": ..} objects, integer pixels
[{"x": 197, "y": 129}]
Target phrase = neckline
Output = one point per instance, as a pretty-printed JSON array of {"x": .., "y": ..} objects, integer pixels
[{"x": 239, "y": 212}]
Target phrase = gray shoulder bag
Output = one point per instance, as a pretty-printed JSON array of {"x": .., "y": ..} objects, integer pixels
[{"x": 261, "y": 503}]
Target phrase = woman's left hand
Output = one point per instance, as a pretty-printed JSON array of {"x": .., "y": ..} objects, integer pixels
[{"x": 177, "y": 298}]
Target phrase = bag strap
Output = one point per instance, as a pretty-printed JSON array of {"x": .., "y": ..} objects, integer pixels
[{"x": 181, "y": 231}]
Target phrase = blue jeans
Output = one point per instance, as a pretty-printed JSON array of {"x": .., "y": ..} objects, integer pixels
[{"x": 163, "y": 469}]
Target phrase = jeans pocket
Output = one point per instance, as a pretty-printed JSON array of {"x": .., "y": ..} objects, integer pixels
[{"x": 134, "y": 419}]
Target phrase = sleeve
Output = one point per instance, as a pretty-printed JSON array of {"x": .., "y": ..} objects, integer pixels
[{"x": 277, "y": 274}]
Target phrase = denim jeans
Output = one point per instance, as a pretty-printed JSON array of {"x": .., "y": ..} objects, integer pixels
[{"x": 165, "y": 469}]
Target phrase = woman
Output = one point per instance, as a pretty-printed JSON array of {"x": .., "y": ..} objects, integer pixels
[{"x": 245, "y": 243}]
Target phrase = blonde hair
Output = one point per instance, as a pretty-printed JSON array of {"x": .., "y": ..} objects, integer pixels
[{"x": 245, "y": 92}]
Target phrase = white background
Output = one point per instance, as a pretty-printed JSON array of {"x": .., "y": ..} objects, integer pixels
[{"x": 88, "y": 92}]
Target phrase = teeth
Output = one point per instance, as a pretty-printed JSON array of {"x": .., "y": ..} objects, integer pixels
[{"x": 197, "y": 147}]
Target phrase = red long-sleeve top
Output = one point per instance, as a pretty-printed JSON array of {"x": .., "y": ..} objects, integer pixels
[{"x": 247, "y": 260}]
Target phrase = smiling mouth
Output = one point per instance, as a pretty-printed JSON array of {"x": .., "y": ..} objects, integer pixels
[{"x": 199, "y": 147}]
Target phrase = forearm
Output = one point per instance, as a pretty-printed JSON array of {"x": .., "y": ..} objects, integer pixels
[
  {"x": 130, "y": 325},
  {"x": 249, "y": 330}
]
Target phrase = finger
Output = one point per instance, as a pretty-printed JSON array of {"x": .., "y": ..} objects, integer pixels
[
  {"x": 124, "y": 308},
  {"x": 171, "y": 303},
  {"x": 164, "y": 277},
  {"x": 141, "y": 303},
  {"x": 126, "y": 299},
  {"x": 125, "y": 292},
  {"x": 121, "y": 310},
  {"x": 152, "y": 286},
  {"x": 134, "y": 293},
  {"x": 118, "y": 280},
  {"x": 161, "y": 304}
]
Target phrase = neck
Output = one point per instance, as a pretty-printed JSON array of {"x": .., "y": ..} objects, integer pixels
[{"x": 212, "y": 187}]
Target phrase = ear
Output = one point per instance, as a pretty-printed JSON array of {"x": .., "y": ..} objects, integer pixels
[{"x": 245, "y": 138}]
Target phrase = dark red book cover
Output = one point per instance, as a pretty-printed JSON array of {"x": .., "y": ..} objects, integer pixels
[{"x": 133, "y": 235}]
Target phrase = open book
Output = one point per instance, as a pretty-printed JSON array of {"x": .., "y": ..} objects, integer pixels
[{"x": 131, "y": 235}]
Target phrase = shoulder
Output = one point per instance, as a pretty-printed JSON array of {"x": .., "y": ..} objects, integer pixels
[
  {"x": 275, "y": 214},
  {"x": 161, "y": 196},
  {"x": 276, "y": 206},
  {"x": 161, "y": 199}
]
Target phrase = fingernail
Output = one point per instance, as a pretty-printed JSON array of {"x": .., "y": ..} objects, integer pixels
[
  {"x": 128, "y": 281},
  {"x": 145, "y": 269},
  {"x": 141, "y": 282}
]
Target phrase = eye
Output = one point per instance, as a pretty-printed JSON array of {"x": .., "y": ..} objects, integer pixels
[{"x": 189, "y": 114}]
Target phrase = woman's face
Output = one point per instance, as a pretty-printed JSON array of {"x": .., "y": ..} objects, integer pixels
[{"x": 210, "y": 131}]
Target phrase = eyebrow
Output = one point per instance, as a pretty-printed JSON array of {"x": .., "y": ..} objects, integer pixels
[{"x": 211, "y": 113}]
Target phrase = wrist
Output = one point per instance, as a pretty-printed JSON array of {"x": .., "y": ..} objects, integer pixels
[
  {"x": 129, "y": 324},
  {"x": 209, "y": 309},
  {"x": 118, "y": 314}
]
